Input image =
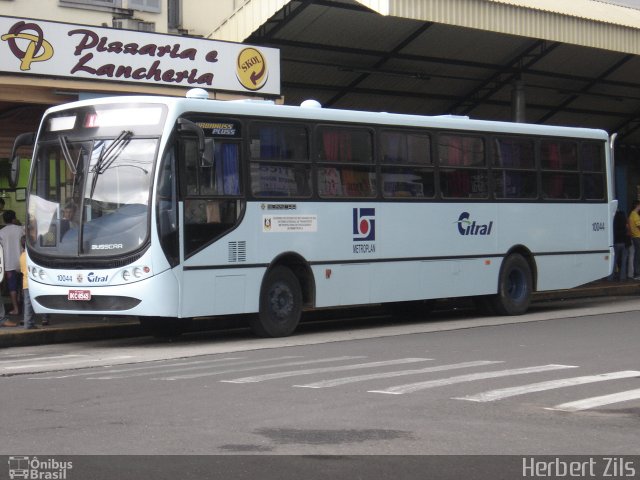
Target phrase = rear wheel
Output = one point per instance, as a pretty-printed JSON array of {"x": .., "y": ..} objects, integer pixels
[
  {"x": 280, "y": 304},
  {"x": 515, "y": 286}
]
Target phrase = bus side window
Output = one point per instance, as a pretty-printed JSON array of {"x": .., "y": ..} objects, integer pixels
[
  {"x": 345, "y": 168},
  {"x": 559, "y": 163},
  {"x": 280, "y": 163},
  {"x": 407, "y": 166},
  {"x": 592, "y": 166},
  {"x": 221, "y": 178},
  {"x": 167, "y": 216},
  {"x": 212, "y": 193},
  {"x": 463, "y": 173},
  {"x": 514, "y": 168}
]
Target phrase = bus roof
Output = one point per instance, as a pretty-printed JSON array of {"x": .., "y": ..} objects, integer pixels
[{"x": 313, "y": 112}]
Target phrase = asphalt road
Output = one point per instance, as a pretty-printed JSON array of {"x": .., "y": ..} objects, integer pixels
[{"x": 561, "y": 380}]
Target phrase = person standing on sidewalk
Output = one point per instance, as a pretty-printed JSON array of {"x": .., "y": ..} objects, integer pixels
[
  {"x": 4, "y": 321},
  {"x": 1, "y": 210},
  {"x": 10, "y": 237},
  {"x": 634, "y": 231},
  {"x": 27, "y": 309},
  {"x": 621, "y": 244}
]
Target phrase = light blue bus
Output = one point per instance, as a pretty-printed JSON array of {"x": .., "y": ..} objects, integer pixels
[{"x": 174, "y": 208}]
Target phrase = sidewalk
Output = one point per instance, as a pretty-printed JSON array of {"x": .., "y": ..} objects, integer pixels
[{"x": 70, "y": 328}]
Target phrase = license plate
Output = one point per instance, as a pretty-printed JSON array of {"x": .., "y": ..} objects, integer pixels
[{"x": 79, "y": 295}]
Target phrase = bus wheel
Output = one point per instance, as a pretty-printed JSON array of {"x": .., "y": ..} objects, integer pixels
[
  {"x": 165, "y": 327},
  {"x": 280, "y": 304},
  {"x": 514, "y": 286}
]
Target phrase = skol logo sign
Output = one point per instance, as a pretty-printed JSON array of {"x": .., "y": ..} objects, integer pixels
[
  {"x": 31, "y": 37},
  {"x": 251, "y": 69}
]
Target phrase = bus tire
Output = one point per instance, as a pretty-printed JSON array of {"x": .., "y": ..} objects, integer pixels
[
  {"x": 515, "y": 286},
  {"x": 280, "y": 304}
]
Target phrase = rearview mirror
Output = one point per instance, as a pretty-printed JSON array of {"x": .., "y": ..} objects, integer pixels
[
  {"x": 22, "y": 140},
  {"x": 205, "y": 145}
]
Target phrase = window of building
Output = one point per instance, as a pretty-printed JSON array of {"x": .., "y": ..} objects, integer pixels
[
  {"x": 91, "y": 3},
  {"x": 133, "y": 24},
  {"x": 146, "y": 5},
  {"x": 174, "y": 14}
]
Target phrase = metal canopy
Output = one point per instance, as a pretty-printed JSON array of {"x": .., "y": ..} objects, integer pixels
[{"x": 346, "y": 55}]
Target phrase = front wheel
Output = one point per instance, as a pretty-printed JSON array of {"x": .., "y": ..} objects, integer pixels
[
  {"x": 515, "y": 286},
  {"x": 280, "y": 304}
]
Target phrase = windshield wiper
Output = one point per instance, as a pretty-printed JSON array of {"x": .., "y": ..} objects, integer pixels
[
  {"x": 64, "y": 147},
  {"x": 108, "y": 156}
]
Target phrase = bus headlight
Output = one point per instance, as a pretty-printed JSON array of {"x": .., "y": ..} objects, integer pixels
[
  {"x": 135, "y": 273},
  {"x": 37, "y": 273}
]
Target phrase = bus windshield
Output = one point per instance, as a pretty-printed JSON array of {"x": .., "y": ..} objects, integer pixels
[{"x": 90, "y": 185}]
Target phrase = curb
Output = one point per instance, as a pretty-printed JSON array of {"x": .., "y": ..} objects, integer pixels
[
  {"x": 87, "y": 332},
  {"x": 613, "y": 290},
  {"x": 44, "y": 336}
]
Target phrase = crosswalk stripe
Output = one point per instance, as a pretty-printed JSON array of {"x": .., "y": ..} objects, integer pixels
[
  {"x": 414, "y": 387},
  {"x": 132, "y": 368},
  {"x": 499, "y": 394},
  {"x": 373, "y": 376},
  {"x": 286, "y": 364},
  {"x": 293, "y": 373},
  {"x": 23, "y": 359},
  {"x": 9, "y": 370},
  {"x": 594, "y": 402}
]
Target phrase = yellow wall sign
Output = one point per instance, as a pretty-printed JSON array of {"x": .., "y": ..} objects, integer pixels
[{"x": 252, "y": 69}]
